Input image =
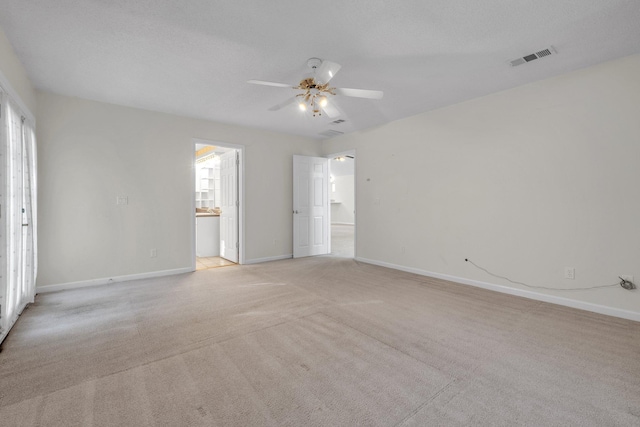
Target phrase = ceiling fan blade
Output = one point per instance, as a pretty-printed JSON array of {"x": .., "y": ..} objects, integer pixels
[
  {"x": 360, "y": 93},
  {"x": 262, "y": 82},
  {"x": 326, "y": 71},
  {"x": 283, "y": 104},
  {"x": 331, "y": 110}
]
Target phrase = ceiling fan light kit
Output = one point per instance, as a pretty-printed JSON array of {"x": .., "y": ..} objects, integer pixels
[
  {"x": 315, "y": 90},
  {"x": 314, "y": 95}
]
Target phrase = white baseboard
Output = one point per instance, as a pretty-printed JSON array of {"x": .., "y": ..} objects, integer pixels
[
  {"x": 267, "y": 259},
  {"x": 343, "y": 223},
  {"x": 107, "y": 280},
  {"x": 567, "y": 302}
]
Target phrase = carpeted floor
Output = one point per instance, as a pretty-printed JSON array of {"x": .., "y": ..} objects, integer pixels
[{"x": 321, "y": 341}]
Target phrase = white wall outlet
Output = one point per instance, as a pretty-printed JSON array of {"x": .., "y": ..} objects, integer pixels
[
  {"x": 569, "y": 273},
  {"x": 153, "y": 253},
  {"x": 275, "y": 242},
  {"x": 122, "y": 200}
]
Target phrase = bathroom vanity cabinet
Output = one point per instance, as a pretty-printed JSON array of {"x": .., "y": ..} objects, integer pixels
[{"x": 207, "y": 235}]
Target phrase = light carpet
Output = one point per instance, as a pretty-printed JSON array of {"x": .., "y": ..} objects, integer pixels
[{"x": 321, "y": 341}]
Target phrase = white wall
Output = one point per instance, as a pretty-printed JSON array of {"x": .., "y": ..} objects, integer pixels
[
  {"x": 342, "y": 213},
  {"x": 91, "y": 152},
  {"x": 13, "y": 73},
  {"x": 524, "y": 182}
]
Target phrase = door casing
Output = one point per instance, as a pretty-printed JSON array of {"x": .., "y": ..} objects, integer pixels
[{"x": 241, "y": 191}]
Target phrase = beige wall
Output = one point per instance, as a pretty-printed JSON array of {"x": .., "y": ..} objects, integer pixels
[
  {"x": 523, "y": 182},
  {"x": 91, "y": 152},
  {"x": 12, "y": 70}
]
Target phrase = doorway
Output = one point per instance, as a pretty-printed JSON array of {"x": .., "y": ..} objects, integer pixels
[
  {"x": 217, "y": 226},
  {"x": 342, "y": 196}
]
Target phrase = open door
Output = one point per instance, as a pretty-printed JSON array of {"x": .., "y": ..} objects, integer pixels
[
  {"x": 310, "y": 206},
  {"x": 229, "y": 206}
]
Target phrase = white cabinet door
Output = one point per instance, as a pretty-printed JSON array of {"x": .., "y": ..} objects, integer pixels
[
  {"x": 229, "y": 206},
  {"x": 310, "y": 206},
  {"x": 207, "y": 236}
]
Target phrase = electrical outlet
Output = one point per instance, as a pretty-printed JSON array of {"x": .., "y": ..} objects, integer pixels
[
  {"x": 627, "y": 282},
  {"x": 569, "y": 273},
  {"x": 122, "y": 200},
  {"x": 402, "y": 250},
  {"x": 275, "y": 242},
  {"x": 153, "y": 253}
]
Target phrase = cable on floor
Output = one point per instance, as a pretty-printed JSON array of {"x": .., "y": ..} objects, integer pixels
[{"x": 624, "y": 283}]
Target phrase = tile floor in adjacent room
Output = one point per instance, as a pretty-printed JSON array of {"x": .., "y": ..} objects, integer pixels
[
  {"x": 204, "y": 263},
  {"x": 342, "y": 240}
]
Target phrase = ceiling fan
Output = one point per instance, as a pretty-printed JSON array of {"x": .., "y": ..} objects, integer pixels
[{"x": 315, "y": 90}]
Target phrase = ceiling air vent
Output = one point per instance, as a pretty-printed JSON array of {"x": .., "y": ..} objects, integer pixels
[
  {"x": 337, "y": 122},
  {"x": 330, "y": 132},
  {"x": 528, "y": 58}
]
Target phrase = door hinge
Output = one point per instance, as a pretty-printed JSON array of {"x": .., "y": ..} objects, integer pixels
[
  {"x": 237, "y": 202},
  {"x": 237, "y": 245}
]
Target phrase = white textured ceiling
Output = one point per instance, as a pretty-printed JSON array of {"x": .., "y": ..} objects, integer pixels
[{"x": 193, "y": 58}]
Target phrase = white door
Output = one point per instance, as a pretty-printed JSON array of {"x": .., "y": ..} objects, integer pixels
[
  {"x": 18, "y": 260},
  {"x": 229, "y": 205},
  {"x": 310, "y": 206}
]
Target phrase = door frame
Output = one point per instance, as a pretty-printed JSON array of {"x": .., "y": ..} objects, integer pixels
[
  {"x": 331, "y": 156},
  {"x": 241, "y": 216}
]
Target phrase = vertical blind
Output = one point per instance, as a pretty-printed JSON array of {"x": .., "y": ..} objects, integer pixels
[{"x": 18, "y": 260}]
